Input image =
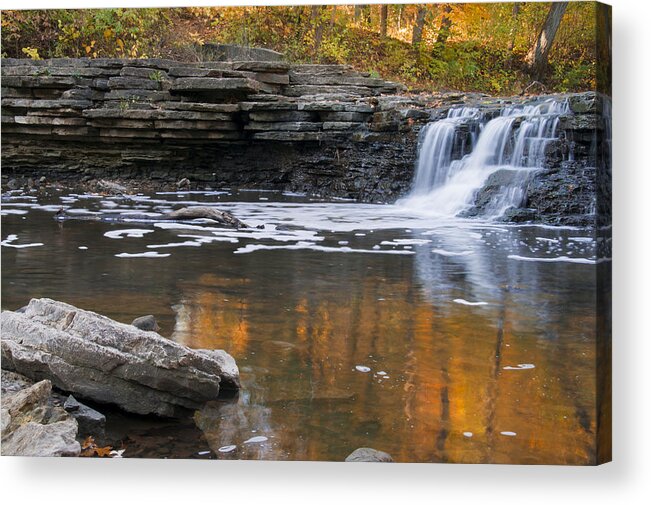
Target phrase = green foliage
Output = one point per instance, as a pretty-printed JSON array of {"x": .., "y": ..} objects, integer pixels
[
  {"x": 156, "y": 75},
  {"x": 483, "y": 49}
]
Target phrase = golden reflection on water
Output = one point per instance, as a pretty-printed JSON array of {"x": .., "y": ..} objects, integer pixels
[{"x": 448, "y": 396}]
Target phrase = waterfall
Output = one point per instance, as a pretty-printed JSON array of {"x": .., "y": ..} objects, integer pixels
[
  {"x": 434, "y": 164},
  {"x": 515, "y": 142}
]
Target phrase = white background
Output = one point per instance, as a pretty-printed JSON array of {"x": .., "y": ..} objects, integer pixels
[{"x": 627, "y": 480}]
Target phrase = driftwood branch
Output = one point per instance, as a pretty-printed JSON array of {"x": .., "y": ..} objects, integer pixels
[{"x": 531, "y": 85}]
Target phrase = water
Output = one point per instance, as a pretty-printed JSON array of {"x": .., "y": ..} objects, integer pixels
[
  {"x": 515, "y": 140},
  {"x": 354, "y": 325}
]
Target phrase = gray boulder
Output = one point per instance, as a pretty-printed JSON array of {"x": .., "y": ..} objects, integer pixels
[
  {"x": 33, "y": 427},
  {"x": 146, "y": 323},
  {"x": 109, "y": 362},
  {"x": 368, "y": 455}
]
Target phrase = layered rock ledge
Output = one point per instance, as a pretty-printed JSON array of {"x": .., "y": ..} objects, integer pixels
[
  {"x": 105, "y": 361},
  {"x": 320, "y": 129}
]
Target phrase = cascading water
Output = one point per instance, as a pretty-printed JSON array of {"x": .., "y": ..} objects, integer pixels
[
  {"x": 514, "y": 141},
  {"x": 435, "y": 158}
]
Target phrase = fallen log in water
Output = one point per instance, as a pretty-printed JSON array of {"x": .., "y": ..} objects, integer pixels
[
  {"x": 184, "y": 214},
  {"x": 100, "y": 359}
]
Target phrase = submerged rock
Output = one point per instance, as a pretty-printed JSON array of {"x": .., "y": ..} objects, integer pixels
[
  {"x": 31, "y": 426},
  {"x": 146, "y": 323},
  {"x": 368, "y": 455},
  {"x": 109, "y": 362}
]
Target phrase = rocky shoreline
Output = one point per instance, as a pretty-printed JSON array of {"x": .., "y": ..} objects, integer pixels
[
  {"x": 324, "y": 130},
  {"x": 52, "y": 344}
]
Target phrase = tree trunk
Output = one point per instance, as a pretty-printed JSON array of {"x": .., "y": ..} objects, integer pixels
[
  {"x": 419, "y": 25},
  {"x": 366, "y": 12},
  {"x": 358, "y": 12},
  {"x": 538, "y": 55},
  {"x": 384, "y": 12},
  {"x": 446, "y": 24},
  {"x": 514, "y": 21},
  {"x": 318, "y": 27}
]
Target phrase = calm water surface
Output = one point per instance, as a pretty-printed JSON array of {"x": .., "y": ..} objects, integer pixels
[{"x": 353, "y": 325}]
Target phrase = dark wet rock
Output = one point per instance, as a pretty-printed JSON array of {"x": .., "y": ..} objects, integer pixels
[
  {"x": 13, "y": 184},
  {"x": 228, "y": 424},
  {"x": 89, "y": 420},
  {"x": 146, "y": 323},
  {"x": 368, "y": 455},
  {"x": 109, "y": 362},
  {"x": 31, "y": 426}
]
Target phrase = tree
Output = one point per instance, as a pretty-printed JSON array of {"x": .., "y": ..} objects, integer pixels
[
  {"x": 384, "y": 11},
  {"x": 538, "y": 55},
  {"x": 317, "y": 21},
  {"x": 444, "y": 29},
  {"x": 514, "y": 22},
  {"x": 419, "y": 25},
  {"x": 446, "y": 24}
]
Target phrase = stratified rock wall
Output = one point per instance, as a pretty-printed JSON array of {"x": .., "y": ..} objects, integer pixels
[{"x": 320, "y": 129}]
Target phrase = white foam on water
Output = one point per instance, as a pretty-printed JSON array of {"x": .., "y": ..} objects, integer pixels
[
  {"x": 82, "y": 247},
  {"x": 467, "y": 434},
  {"x": 130, "y": 233},
  {"x": 187, "y": 243},
  {"x": 206, "y": 192},
  {"x": 149, "y": 254},
  {"x": 6, "y": 212},
  {"x": 362, "y": 368},
  {"x": 581, "y": 239},
  {"x": 381, "y": 373},
  {"x": 203, "y": 453},
  {"x": 8, "y": 242},
  {"x": 81, "y": 212},
  {"x": 227, "y": 448},
  {"x": 406, "y": 241},
  {"x": 558, "y": 259},
  {"x": 206, "y": 239},
  {"x": 466, "y": 302},
  {"x": 256, "y": 440},
  {"x": 443, "y": 252},
  {"x": 508, "y": 433},
  {"x": 314, "y": 247},
  {"x": 550, "y": 240},
  {"x": 521, "y": 366}
]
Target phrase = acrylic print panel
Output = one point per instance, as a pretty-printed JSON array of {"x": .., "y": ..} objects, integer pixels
[{"x": 335, "y": 233}]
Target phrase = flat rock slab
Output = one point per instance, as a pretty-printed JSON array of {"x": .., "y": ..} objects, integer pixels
[
  {"x": 215, "y": 84},
  {"x": 105, "y": 361}
]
